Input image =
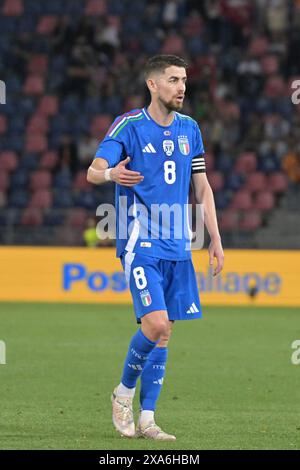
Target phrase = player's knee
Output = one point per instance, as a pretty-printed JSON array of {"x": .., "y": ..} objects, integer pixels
[
  {"x": 161, "y": 329},
  {"x": 164, "y": 338},
  {"x": 156, "y": 330}
]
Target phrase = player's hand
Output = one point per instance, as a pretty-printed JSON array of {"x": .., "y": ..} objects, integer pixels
[
  {"x": 215, "y": 250},
  {"x": 119, "y": 174}
]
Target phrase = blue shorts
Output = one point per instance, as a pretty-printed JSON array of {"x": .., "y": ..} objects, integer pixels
[{"x": 158, "y": 284}]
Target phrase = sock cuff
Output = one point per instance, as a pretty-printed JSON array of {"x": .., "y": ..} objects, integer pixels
[{"x": 159, "y": 354}]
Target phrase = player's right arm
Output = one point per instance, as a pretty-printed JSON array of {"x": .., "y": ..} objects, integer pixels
[
  {"x": 99, "y": 173},
  {"x": 110, "y": 160}
]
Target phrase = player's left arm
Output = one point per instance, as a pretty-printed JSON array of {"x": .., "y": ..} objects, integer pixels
[{"x": 204, "y": 195}]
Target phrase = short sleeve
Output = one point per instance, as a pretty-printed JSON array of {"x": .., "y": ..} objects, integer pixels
[
  {"x": 198, "y": 162},
  {"x": 115, "y": 145}
]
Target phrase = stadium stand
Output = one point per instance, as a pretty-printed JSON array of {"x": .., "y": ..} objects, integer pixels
[{"x": 71, "y": 67}]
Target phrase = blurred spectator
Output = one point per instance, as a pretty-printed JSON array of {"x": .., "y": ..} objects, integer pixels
[
  {"x": 277, "y": 16},
  {"x": 242, "y": 55},
  {"x": 106, "y": 36},
  {"x": 80, "y": 70},
  {"x": 212, "y": 12},
  {"x": 21, "y": 51},
  {"x": 291, "y": 165},
  {"x": 86, "y": 150},
  {"x": 68, "y": 156},
  {"x": 64, "y": 36},
  {"x": 171, "y": 12},
  {"x": 94, "y": 235},
  {"x": 90, "y": 234}
]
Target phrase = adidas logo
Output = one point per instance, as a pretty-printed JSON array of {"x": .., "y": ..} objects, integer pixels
[
  {"x": 192, "y": 309},
  {"x": 135, "y": 366},
  {"x": 158, "y": 382},
  {"x": 149, "y": 149}
]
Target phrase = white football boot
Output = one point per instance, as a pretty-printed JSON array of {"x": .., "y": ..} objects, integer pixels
[
  {"x": 150, "y": 430},
  {"x": 122, "y": 414}
]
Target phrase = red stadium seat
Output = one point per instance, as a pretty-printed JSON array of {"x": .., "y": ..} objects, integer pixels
[
  {"x": 40, "y": 179},
  {"x": 277, "y": 182},
  {"x": 246, "y": 163},
  {"x": 209, "y": 161},
  {"x": 258, "y": 46},
  {"x": 216, "y": 180},
  {"x": 173, "y": 44},
  {"x": 36, "y": 143},
  {"x": 49, "y": 160},
  {"x": 48, "y": 106},
  {"x": 36, "y": 124},
  {"x": 100, "y": 124},
  {"x": 38, "y": 64},
  {"x": 269, "y": 64},
  {"x": 8, "y": 160},
  {"x": 264, "y": 201},
  {"x": 41, "y": 199},
  {"x": 34, "y": 85},
  {"x": 242, "y": 200},
  {"x": 77, "y": 218},
  {"x": 80, "y": 181},
  {"x": 95, "y": 7},
  {"x": 275, "y": 87},
  {"x": 31, "y": 217},
  {"x": 229, "y": 220},
  {"x": 251, "y": 220},
  {"x": 256, "y": 181},
  {"x": 193, "y": 26},
  {"x": 46, "y": 24},
  {"x": 4, "y": 181},
  {"x": 3, "y": 124},
  {"x": 13, "y": 8}
]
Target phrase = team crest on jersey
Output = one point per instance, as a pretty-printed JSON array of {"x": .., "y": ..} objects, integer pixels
[
  {"x": 146, "y": 298},
  {"x": 184, "y": 145},
  {"x": 168, "y": 146}
]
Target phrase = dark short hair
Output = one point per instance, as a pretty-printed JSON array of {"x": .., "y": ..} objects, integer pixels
[{"x": 159, "y": 63}]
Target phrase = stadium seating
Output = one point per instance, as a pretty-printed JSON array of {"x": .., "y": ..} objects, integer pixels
[
  {"x": 8, "y": 160},
  {"x": 40, "y": 179},
  {"x": 229, "y": 220},
  {"x": 216, "y": 180},
  {"x": 80, "y": 181},
  {"x": 256, "y": 181},
  {"x": 46, "y": 24},
  {"x": 13, "y": 8},
  {"x": 277, "y": 182},
  {"x": 77, "y": 218},
  {"x": 246, "y": 163},
  {"x": 34, "y": 85},
  {"x": 4, "y": 181},
  {"x": 3, "y": 124},
  {"x": 41, "y": 199},
  {"x": 31, "y": 217},
  {"x": 49, "y": 160},
  {"x": 251, "y": 220},
  {"x": 242, "y": 200},
  {"x": 236, "y": 116},
  {"x": 264, "y": 200}
]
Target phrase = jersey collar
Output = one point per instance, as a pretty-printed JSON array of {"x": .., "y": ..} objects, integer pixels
[{"x": 156, "y": 123}]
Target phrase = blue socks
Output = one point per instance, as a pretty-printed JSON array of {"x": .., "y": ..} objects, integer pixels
[
  {"x": 152, "y": 378},
  {"x": 139, "y": 349}
]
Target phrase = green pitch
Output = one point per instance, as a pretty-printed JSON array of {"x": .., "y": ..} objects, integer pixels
[{"x": 230, "y": 383}]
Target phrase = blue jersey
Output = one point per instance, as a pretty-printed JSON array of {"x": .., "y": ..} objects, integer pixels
[{"x": 152, "y": 216}]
